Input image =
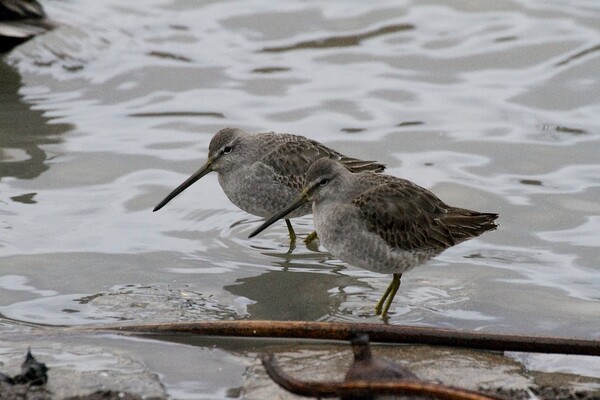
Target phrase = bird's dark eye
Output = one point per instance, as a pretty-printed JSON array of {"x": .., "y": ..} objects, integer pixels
[
  {"x": 227, "y": 149},
  {"x": 323, "y": 182}
]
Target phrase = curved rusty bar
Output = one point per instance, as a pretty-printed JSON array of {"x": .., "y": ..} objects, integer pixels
[{"x": 365, "y": 388}]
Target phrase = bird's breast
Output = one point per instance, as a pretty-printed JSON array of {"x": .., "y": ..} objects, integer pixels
[
  {"x": 345, "y": 234},
  {"x": 257, "y": 190}
]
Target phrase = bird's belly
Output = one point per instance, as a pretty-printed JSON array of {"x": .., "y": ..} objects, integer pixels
[
  {"x": 345, "y": 235},
  {"x": 258, "y": 192}
]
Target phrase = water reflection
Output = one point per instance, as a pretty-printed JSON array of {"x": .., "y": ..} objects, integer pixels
[
  {"x": 23, "y": 132},
  {"x": 586, "y": 234},
  {"x": 341, "y": 41},
  {"x": 578, "y": 55},
  {"x": 296, "y": 292}
]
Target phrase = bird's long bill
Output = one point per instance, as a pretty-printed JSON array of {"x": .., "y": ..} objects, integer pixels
[
  {"x": 281, "y": 214},
  {"x": 188, "y": 182}
]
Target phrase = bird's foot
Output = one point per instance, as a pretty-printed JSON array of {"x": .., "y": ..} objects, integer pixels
[{"x": 311, "y": 237}]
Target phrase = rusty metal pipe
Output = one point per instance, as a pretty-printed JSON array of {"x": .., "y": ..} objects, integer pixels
[{"x": 377, "y": 333}]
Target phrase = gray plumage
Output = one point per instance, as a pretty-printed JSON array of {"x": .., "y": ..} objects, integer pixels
[
  {"x": 382, "y": 223},
  {"x": 261, "y": 173}
]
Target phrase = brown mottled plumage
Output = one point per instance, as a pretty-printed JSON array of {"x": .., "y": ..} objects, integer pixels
[
  {"x": 261, "y": 173},
  {"x": 409, "y": 217},
  {"x": 382, "y": 223}
]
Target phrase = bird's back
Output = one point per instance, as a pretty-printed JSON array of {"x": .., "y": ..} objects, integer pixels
[
  {"x": 409, "y": 217},
  {"x": 290, "y": 156}
]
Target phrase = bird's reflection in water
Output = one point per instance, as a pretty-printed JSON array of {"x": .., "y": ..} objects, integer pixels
[
  {"x": 298, "y": 291},
  {"x": 23, "y": 132}
]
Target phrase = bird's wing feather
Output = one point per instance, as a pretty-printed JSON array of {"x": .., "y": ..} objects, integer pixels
[
  {"x": 291, "y": 159},
  {"x": 292, "y": 155},
  {"x": 405, "y": 215}
]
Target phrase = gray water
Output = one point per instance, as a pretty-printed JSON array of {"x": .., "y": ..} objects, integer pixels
[{"x": 495, "y": 106}]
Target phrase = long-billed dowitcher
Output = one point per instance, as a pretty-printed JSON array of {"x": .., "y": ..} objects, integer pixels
[
  {"x": 261, "y": 173},
  {"x": 381, "y": 223}
]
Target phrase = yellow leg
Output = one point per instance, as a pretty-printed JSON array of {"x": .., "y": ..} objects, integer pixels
[
  {"x": 311, "y": 236},
  {"x": 291, "y": 231},
  {"x": 389, "y": 294}
]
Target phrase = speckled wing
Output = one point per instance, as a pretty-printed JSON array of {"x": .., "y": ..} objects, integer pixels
[
  {"x": 409, "y": 217},
  {"x": 291, "y": 159}
]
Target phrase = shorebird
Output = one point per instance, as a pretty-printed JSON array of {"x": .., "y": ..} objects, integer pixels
[
  {"x": 261, "y": 173},
  {"x": 380, "y": 222}
]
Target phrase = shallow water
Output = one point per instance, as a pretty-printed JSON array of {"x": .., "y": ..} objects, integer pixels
[{"x": 494, "y": 107}]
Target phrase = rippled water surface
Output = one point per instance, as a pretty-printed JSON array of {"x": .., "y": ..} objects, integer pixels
[{"x": 495, "y": 106}]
